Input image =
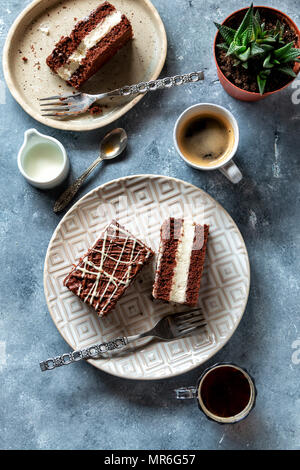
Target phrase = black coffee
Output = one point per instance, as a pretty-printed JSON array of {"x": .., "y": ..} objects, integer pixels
[
  {"x": 206, "y": 139},
  {"x": 225, "y": 391}
]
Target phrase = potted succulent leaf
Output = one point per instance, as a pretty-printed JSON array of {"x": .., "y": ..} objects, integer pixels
[{"x": 256, "y": 52}]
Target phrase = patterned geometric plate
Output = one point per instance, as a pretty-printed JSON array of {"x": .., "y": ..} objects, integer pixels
[{"x": 141, "y": 203}]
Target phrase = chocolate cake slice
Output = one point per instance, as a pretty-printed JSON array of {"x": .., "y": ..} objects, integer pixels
[
  {"x": 108, "y": 269},
  {"x": 180, "y": 261},
  {"x": 93, "y": 41}
]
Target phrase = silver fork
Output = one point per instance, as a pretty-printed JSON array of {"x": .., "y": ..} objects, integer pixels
[
  {"x": 78, "y": 103},
  {"x": 170, "y": 327}
]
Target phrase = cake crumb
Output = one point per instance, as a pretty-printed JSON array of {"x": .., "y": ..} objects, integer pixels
[
  {"x": 45, "y": 30},
  {"x": 33, "y": 50},
  {"x": 95, "y": 109}
]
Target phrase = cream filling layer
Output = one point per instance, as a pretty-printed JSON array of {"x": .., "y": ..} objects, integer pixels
[
  {"x": 90, "y": 40},
  {"x": 183, "y": 259},
  {"x": 155, "y": 287}
]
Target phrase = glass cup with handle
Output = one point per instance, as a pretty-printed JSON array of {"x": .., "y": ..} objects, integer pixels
[{"x": 225, "y": 393}]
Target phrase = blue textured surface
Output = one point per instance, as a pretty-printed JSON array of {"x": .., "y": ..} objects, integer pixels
[{"x": 81, "y": 407}]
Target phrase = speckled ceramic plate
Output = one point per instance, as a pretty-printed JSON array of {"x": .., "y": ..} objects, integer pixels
[
  {"x": 141, "y": 203},
  {"x": 140, "y": 60}
]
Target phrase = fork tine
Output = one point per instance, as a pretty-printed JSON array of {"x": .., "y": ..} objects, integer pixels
[
  {"x": 54, "y": 103},
  {"x": 57, "y": 109},
  {"x": 57, "y": 97},
  {"x": 186, "y": 326},
  {"x": 193, "y": 328},
  {"x": 190, "y": 330},
  {"x": 71, "y": 110},
  {"x": 60, "y": 97},
  {"x": 188, "y": 316},
  {"x": 186, "y": 312},
  {"x": 62, "y": 114},
  {"x": 190, "y": 320},
  {"x": 55, "y": 114}
]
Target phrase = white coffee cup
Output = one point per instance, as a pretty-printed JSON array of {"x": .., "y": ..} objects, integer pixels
[{"x": 227, "y": 167}]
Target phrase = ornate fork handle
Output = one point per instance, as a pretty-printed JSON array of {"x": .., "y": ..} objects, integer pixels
[
  {"x": 161, "y": 83},
  {"x": 88, "y": 353},
  {"x": 174, "y": 325}
]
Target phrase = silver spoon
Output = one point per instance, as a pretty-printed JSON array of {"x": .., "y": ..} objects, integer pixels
[{"x": 111, "y": 146}]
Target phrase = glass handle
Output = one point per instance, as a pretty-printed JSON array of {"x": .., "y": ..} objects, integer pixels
[{"x": 186, "y": 393}]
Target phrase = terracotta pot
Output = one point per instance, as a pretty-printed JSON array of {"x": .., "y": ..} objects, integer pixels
[{"x": 239, "y": 93}]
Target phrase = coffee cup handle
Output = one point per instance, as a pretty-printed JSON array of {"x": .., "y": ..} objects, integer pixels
[
  {"x": 231, "y": 171},
  {"x": 186, "y": 393}
]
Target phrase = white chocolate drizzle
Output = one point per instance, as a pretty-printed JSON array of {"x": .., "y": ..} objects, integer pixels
[{"x": 87, "y": 267}]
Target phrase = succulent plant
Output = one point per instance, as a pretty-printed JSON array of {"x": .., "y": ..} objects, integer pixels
[{"x": 252, "y": 41}]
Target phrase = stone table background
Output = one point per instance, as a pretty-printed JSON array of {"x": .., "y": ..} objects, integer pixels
[{"x": 81, "y": 407}]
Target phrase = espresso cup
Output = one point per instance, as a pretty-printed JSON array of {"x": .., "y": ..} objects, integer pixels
[
  {"x": 225, "y": 393},
  {"x": 226, "y": 165}
]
